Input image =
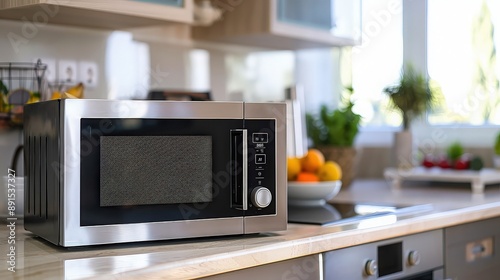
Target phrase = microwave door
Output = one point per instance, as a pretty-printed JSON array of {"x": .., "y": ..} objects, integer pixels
[{"x": 157, "y": 170}]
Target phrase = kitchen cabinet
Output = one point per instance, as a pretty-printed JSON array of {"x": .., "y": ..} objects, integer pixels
[
  {"x": 304, "y": 268},
  {"x": 417, "y": 256},
  {"x": 472, "y": 250},
  {"x": 285, "y": 24},
  {"x": 117, "y": 14},
  {"x": 178, "y": 3}
]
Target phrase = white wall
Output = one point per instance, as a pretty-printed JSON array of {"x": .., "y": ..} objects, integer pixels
[
  {"x": 318, "y": 72},
  {"x": 18, "y": 43},
  {"x": 170, "y": 64}
]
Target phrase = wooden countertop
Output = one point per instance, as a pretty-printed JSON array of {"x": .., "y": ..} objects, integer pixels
[{"x": 187, "y": 259}]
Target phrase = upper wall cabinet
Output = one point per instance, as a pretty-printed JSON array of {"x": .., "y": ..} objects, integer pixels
[
  {"x": 285, "y": 24},
  {"x": 111, "y": 14}
]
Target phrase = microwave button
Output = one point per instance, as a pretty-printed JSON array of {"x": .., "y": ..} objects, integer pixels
[
  {"x": 260, "y": 137},
  {"x": 261, "y": 197},
  {"x": 260, "y": 159}
]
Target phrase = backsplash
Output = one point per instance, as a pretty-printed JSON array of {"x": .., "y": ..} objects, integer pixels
[
  {"x": 62, "y": 47},
  {"x": 9, "y": 140}
]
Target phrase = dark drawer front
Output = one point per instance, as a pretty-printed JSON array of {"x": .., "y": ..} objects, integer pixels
[{"x": 472, "y": 251}]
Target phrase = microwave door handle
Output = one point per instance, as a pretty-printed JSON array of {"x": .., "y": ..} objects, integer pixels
[
  {"x": 245, "y": 170},
  {"x": 239, "y": 185}
]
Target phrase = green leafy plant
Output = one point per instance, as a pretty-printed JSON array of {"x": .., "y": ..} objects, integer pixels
[
  {"x": 3, "y": 88},
  {"x": 3, "y": 97},
  {"x": 497, "y": 145},
  {"x": 334, "y": 127},
  {"x": 411, "y": 96},
  {"x": 455, "y": 151}
]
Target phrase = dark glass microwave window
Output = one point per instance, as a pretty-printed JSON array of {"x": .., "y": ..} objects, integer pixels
[
  {"x": 218, "y": 204},
  {"x": 148, "y": 170}
]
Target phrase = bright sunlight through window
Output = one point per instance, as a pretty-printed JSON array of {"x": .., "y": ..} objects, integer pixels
[
  {"x": 377, "y": 62},
  {"x": 462, "y": 60}
]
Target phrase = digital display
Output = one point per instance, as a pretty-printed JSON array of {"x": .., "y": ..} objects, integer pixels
[
  {"x": 390, "y": 259},
  {"x": 147, "y": 170}
]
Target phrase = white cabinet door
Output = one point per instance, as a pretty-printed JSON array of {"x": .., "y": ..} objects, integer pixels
[{"x": 111, "y": 14}]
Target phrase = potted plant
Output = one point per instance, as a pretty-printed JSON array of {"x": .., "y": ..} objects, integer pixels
[
  {"x": 412, "y": 97},
  {"x": 496, "y": 156},
  {"x": 333, "y": 132}
]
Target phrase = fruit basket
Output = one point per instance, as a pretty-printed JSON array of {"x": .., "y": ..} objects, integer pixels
[
  {"x": 312, "y": 193},
  {"x": 312, "y": 180},
  {"x": 20, "y": 83}
]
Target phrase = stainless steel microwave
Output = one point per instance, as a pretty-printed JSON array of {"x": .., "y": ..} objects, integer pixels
[{"x": 104, "y": 171}]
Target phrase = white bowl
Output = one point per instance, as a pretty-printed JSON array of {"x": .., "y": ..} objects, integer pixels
[{"x": 312, "y": 193}]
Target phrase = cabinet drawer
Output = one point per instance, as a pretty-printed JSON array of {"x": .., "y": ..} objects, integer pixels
[
  {"x": 405, "y": 257},
  {"x": 304, "y": 268},
  {"x": 472, "y": 250}
]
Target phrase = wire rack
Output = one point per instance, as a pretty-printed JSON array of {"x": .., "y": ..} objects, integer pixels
[{"x": 21, "y": 83}]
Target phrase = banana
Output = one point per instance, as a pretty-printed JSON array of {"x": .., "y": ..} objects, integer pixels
[
  {"x": 76, "y": 91},
  {"x": 34, "y": 97},
  {"x": 56, "y": 95},
  {"x": 68, "y": 95},
  {"x": 73, "y": 92}
]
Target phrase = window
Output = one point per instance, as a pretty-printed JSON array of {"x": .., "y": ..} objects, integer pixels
[
  {"x": 377, "y": 62},
  {"x": 462, "y": 60}
]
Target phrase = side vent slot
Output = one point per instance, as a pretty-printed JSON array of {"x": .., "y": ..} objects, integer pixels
[
  {"x": 43, "y": 176},
  {"x": 27, "y": 163},
  {"x": 46, "y": 166},
  {"x": 31, "y": 205},
  {"x": 37, "y": 181},
  {"x": 38, "y": 161}
]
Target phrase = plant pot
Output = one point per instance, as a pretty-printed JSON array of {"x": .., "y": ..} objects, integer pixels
[
  {"x": 496, "y": 161},
  {"x": 345, "y": 157},
  {"x": 402, "y": 156}
]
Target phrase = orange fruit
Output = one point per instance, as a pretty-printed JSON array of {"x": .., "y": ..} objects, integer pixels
[
  {"x": 307, "y": 177},
  {"x": 312, "y": 161},
  {"x": 330, "y": 171},
  {"x": 293, "y": 168}
]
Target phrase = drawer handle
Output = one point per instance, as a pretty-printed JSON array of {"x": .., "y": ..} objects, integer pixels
[{"x": 479, "y": 249}]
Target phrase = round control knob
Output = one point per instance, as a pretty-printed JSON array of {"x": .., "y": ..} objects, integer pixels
[
  {"x": 371, "y": 267},
  {"x": 261, "y": 197},
  {"x": 413, "y": 258}
]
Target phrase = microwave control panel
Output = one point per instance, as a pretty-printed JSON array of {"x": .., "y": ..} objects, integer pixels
[{"x": 261, "y": 167}]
